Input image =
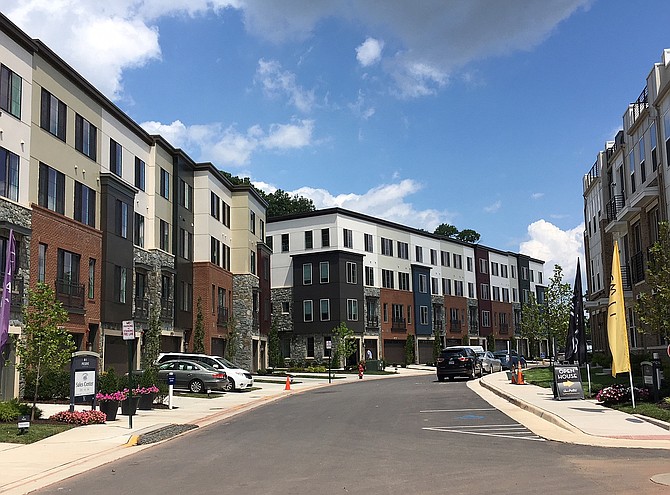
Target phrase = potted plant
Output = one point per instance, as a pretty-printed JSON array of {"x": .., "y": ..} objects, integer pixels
[
  {"x": 130, "y": 403},
  {"x": 146, "y": 389},
  {"x": 109, "y": 396}
]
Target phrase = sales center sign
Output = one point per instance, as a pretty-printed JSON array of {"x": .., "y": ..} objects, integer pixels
[
  {"x": 84, "y": 383},
  {"x": 568, "y": 382}
]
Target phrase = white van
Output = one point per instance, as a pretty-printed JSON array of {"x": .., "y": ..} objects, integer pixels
[{"x": 238, "y": 379}]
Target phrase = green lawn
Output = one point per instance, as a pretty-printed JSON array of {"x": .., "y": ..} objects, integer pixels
[{"x": 9, "y": 432}]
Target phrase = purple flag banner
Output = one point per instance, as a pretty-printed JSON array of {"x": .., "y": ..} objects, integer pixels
[{"x": 7, "y": 290}]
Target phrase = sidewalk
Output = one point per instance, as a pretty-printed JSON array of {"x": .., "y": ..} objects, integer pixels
[{"x": 30, "y": 467}]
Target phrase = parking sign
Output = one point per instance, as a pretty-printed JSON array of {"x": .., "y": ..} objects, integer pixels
[{"x": 128, "y": 330}]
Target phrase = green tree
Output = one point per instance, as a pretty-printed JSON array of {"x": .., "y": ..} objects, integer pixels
[
  {"x": 437, "y": 345},
  {"x": 558, "y": 302},
  {"x": 282, "y": 203},
  {"x": 409, "y": 350},
  {"x": 45, "y": 346},
  {"x": 447, "y": 230},
  {"x": 343, "y": 342},
  {"x": 468, "y": 235},
  {"x": 199, "y": 331},
  {"x": 275, "y": 358},
  {"x": 653, "y": 305},
  {"x": 533, "y": 325}
]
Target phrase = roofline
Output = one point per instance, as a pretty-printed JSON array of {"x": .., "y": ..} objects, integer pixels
[{"x": 212, "y": 169}]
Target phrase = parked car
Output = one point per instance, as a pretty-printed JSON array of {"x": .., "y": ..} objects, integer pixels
[
  {"x": 458, "y": 361},
  {"x": 238, "y": 378},
  {"x": 510, "y": 360},
  {"x": 194, "y": 376},
  {"x": 490, "y": 363}
]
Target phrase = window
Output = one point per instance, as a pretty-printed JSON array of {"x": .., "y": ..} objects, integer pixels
[
  {"x": 423, "y": 315},
  {"x": 166, "y": 288},
  {"x": 140, "y": 174},
  {"x": 352, "y": 309},
  {"x": 458, "y": 288},
  {"x": 503, "y": 270},
  {"x": 307, "y": 274},
  {"x": 42, "y": 263},
  {"x": 122, "y": 219},
  {"x": 324, "y": 272},
  {"x": 91, "y": 278},
  {"x": 422, "y": 283},
  {"x": 284, "y": 307},
  {"x": 310, "y": 347},
  {"x": 435, "y": 286},
  {"x": 164, "y": 236},
  {"x": 309, "y": 241},
  {"x": 369, "y": 276},
  {"x": 483, "y": 266},
  {"x": 387, "y": 246},
  {"x": 433, "y": 257},
  {"x": 539, "y": 277},
  {"x": 505, "y": 295},
  {"x": 348, "y": 236},
  {"x": 352, "y": 273},
  {"x": 252, "y": 222},
  {"x": 654, "y": 157},
  {"x": 53, "y": 115},
  {"x": 453, "y": 315},
  {"x": 115, "y": 157},
  {"x": 214, "y": 205},
  {"x": 368, "y": 243},
  {"x": 524, "y": 273},
  {"x": 397, "y": 313},
  {"x": 325, "y": 237},
  {"x": 226, "y": 257},
  {"x": 307, "y": 313},
  {"x": 446, "y": 286},
  {"x": 215, "y": 246},
  {"x": 85, "y": 137},
  {"x": 387, "y": 279},
  {"x": 458, "y": 261},
  {"x": 515, "y": 295},
  {"x": 403, "y": 250},
  {"x": 419, "y": 254},
  {"x": 261, "y": 227},
  {"x": 403, "y": 281},
  {"x": 325, "y": 309},
  {"x": 471, "y": 290},
  {"x": 486, "y": 318},
  {"x": 186, "y": 294},
  {"x": 165, "y": 184},
  {"x": 226, "y": 214},
  {"x": 185, "y": 194},
  {"x": 10, "y": 92},
  {"x": 513, "y": 271},
  {"x": 284, "y": 243},
  {"x": 494, "y": 268},
  {"x": 9, "y": 174},
  {"x": 532, "y": 276},
  {"x": 252, "y": 262},
  {"x": 68, "y": 270},
  {"x": 51, "y": 193},
  {"x": 385, "y": 312},
  {"x": 185, "y": 244},
  {"x": 496, "y": 293},
  {"x": 139, "y": 230},
  {"x": 444, "y": 258},
  {"x": 84, "y": 204},
  {"x": 484, "y": 291},
  {"x": 469, "y": 261},
  {"x": 120, "y": 273}
]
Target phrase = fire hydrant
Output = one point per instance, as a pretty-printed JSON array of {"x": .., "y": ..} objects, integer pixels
[{"x": 361, "y": 369}]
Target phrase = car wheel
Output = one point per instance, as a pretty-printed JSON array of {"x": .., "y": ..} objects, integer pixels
[
  {"x": 230, "y": 386},
  {"x": 481, "y": 371},
  {"x": 440, "y": 378},
  {"x": 196, "y": 386},
  {"x": 450, "y": 378},
  {"x": 472, "y": 373}
]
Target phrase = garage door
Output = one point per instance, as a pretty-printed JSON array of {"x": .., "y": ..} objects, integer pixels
[
  {"x": 425, "y": 351},
  {"x": 394, "y": 351}
]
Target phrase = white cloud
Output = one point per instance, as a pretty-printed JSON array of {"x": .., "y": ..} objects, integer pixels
[
  {"x": 360, "y": 109},
  {"x": 369, "y": 52},
  {"x": 492, "y": 208},
  {"x": 537, "y": 195},
  {"x": 276, "y": 82},
  {"x": 555, "y": 247},
  {"x": 228, "y": 146}
]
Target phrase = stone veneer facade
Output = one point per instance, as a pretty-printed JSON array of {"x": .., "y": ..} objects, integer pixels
[{"x": 244, "y": 287}]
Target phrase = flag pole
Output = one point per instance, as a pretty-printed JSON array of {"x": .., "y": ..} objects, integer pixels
[
  {"x": 588, "y": 374},
  {"x": 632, "y": 390}
]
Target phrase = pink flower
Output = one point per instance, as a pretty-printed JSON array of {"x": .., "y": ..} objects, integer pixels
[{"x": 80, "y": 417}]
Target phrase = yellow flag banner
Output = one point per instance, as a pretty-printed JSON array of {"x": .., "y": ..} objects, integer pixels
[{"x": 616, "y": 319}]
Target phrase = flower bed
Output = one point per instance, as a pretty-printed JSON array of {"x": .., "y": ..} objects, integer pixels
[{"x": 79, "y": 417}]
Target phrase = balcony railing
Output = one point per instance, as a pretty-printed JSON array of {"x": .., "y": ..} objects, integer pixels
[
  {"x": 637, "y": 267},
  {"x": 614, "y": 206},
  {"x": 71, "y": 294},
  {"x": 640, "y": 104},
  {"x": 438, "y": 325},
  {"x": 504, "y": 328},
  {"x": 372, "y": 322},
  {"x": 455, "y": 326},
  {"x": 167, "y": 308},
  {"x": 398, "y": 325},
  {"x": 473, "y": 329},
  {"x": 142, "y": 308},
  {"x": 222, "y": 316},
  {"x": 16, "y": 302},
  {"x": 625, "y": 278}
]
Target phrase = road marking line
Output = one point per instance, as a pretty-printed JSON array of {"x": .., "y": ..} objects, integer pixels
[
  {"x": 457, "y": 410},
  {"x": 443, "y": 430},
  {"x": 482, "y": 426}
]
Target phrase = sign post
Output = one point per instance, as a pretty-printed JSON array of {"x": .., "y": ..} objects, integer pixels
[
  {"x": 171, "y": 381},
  {"x": 129, "y": 337},
  {"x": 329, "y": 347}
]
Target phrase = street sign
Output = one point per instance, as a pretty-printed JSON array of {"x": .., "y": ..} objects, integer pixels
[
  {"x": 329, "y": 345},
  {"x": 128, "y": 329},
  {"x": 568, "y": 382}
]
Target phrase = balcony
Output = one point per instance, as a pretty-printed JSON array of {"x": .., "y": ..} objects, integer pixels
[
  {"x": 16, "y": 302},
  {"x": 141, "y": 308},
  {"x": 637, "y": 268},
  {"x": 167, "y": 309},
  {"x": 438, "y": 325},
  {"x": 222, "y": 316},
  {"x": 473, "y": 330},
  {"x": 504, "y": 328},
  {"x": 372, "y": 322},
  {"x": 636, "y": 108},
  {"x": 625, "y": 278},
  {"x": 398, "y": 325},
  {"x": 614, "y": 206},
  {"x": 455, "y": 326},
  {"x": 70, "y": 294}
]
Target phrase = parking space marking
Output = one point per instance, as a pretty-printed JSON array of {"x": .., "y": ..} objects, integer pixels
[
  {"x": 511, "y": 431},
  {"x": 458, "y": 410}
]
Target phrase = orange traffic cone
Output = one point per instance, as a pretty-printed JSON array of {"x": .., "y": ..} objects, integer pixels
[
  {"x": 519, "y": 375},
  {"x": 288, "y": 383}
]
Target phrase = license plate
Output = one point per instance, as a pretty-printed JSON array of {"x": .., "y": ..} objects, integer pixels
[{"x": 451, "y": 361}]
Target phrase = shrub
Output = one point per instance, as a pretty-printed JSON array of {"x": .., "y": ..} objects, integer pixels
[
  {"x": 80, "y": 417},
  {"x": 601, "y": 359},
  {"x": 12, "y": 409},
  {"x": 618, "y": 394},
  {"x": 108, "y": 382},
  {"x": 54, "y": 386}
]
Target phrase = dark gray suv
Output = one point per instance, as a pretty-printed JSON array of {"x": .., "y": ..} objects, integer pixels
[{"x": 458, "y": 361}]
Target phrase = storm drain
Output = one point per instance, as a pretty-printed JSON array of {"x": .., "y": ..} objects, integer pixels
[{"x": 163, "y": 433}]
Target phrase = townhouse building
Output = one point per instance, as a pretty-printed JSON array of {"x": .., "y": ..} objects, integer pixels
[
  {"x": 387, "y": 281},
  {"x": 108, "y": 215},
  {"x": 625, "y": 197}
]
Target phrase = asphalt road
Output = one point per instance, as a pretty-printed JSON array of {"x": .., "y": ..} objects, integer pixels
[{"x": 397, "y": 436}]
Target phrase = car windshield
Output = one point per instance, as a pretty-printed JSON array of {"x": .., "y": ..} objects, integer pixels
[
  {"x": 225, "y": 362},
  {"x": 481, "y": 354},
  {"x": 453, "y": 352}
]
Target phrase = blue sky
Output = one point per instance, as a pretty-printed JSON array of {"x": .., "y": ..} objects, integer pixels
[{"x": 482, "y": 113}]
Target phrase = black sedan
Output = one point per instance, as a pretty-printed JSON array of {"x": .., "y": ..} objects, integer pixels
[{"x": 458, "y": 361}]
